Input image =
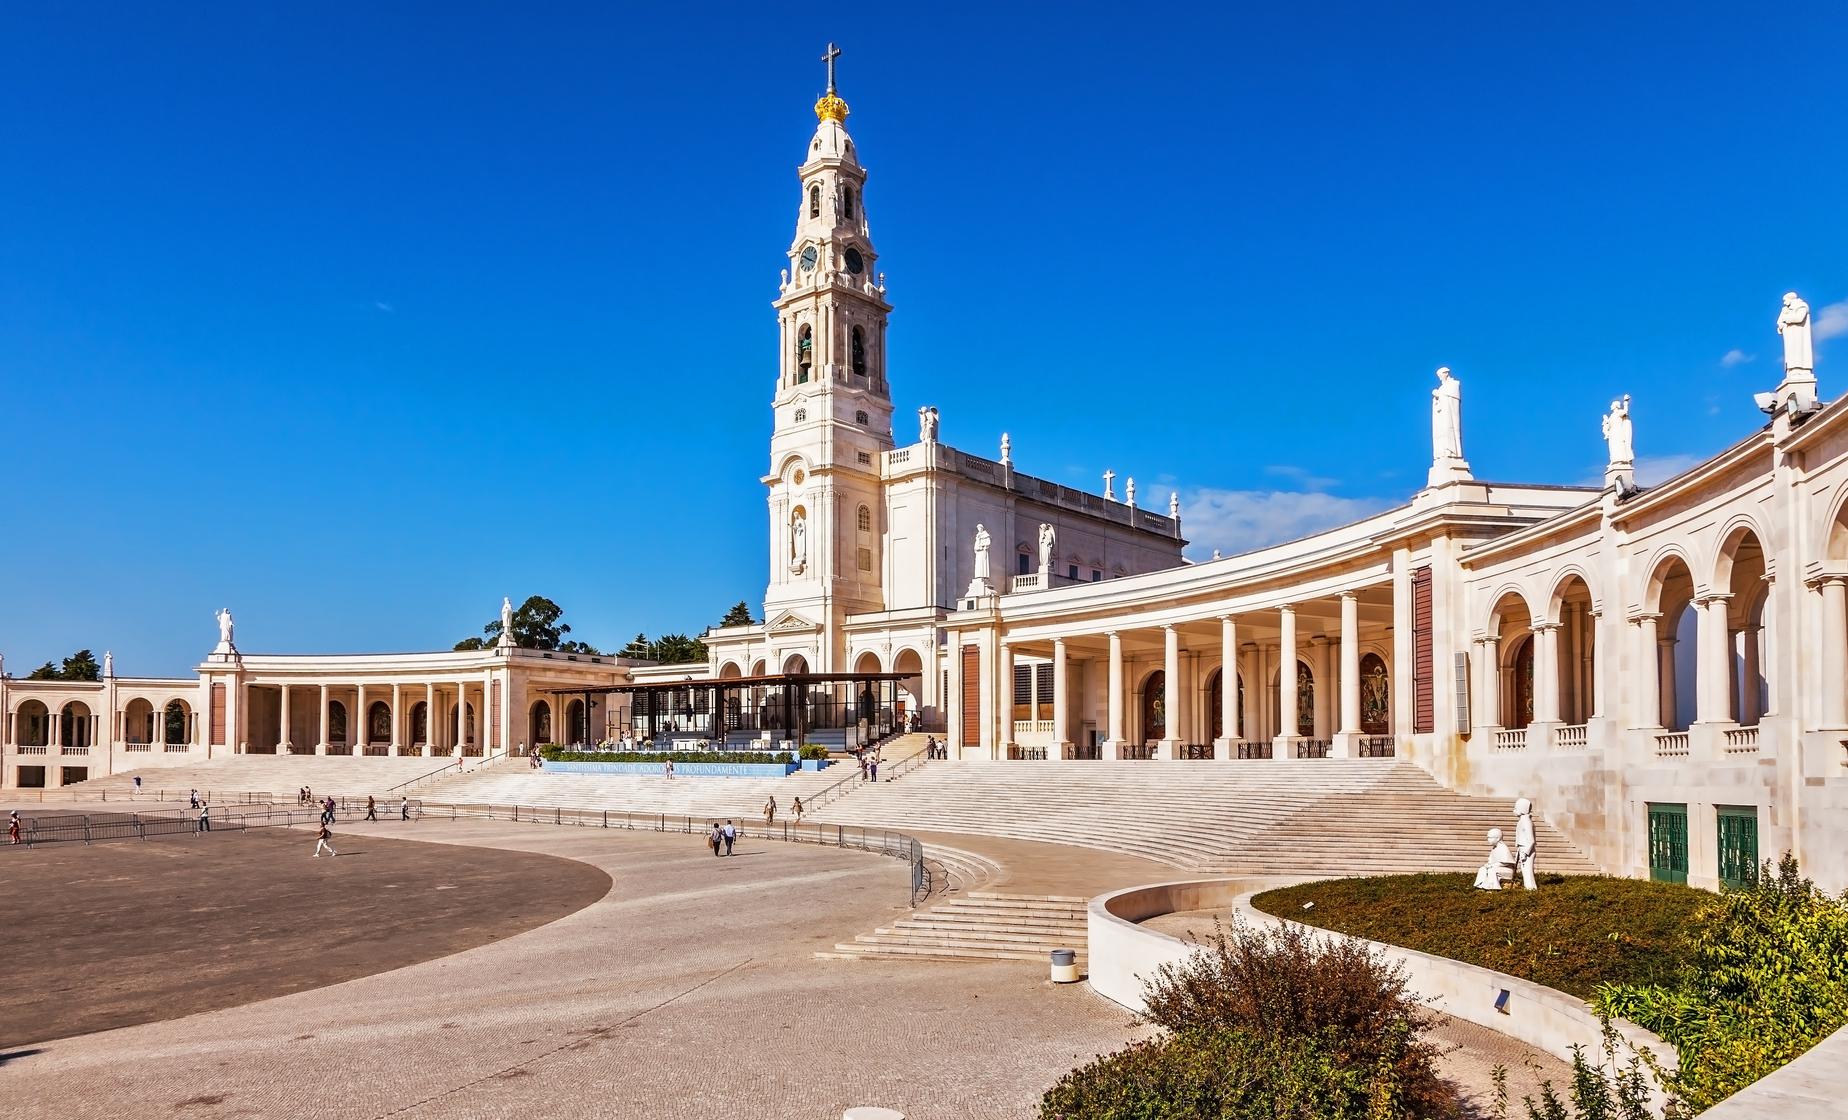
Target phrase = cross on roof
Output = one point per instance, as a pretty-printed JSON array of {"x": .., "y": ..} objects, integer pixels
[{"x": 833, "y": 52}]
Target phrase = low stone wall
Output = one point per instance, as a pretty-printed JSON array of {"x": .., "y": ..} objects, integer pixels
[
  {"x": 1811, "y": 1088},
  {"x": 681, "y": 769},
  {"x": 1123, "y": 954}
]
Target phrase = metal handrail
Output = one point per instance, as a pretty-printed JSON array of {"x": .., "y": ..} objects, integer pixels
[{"x": 453, "y": 764}]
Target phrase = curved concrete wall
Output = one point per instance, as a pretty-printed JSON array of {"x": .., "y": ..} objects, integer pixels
[{"x": 1124, "y": 954}]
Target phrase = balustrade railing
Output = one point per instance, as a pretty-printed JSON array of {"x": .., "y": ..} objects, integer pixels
[
  {"x": 1081, "y": 752},
  {"x": 137, "y": 746},
  {"x": 175, "y": 748},
  {"x": 1253, "y": 748},
  {"x": 1511, "y": 739},
  {"x": 1741, "y": 740},
  {"x": 1571, "y": 736},
  {"x": 35, "y": 750},
  {"x": 1031, "y": 754},
  {"x": 73, "y": 750},
  {"x": 1672, "y": 744}
]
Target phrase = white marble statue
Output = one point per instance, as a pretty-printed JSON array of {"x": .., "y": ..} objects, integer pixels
[
  {"x": 982, "y": 573},
  {"x": 1446, "y": 417},
  {"x": 1174, "y": 505},
  {"x": 798, "y": 544},
  {"x": 927, "y": 424},
  {"x": 225, "y": 627},
  {"x": 108, "y": 664},
  {"x": 1500, "y": 867},
  {"x": 1793, "y": 322},
  {"x": 1048, "y": 538},
  {"x": 1129, "y": 493},
  {"x": 1007, "y": 449},
  {"x": 506, "y": 615},
  {"x": 1109, "y": 486},
  {"x": 1524, "y": 840},
  {"x": 1617, "y": 433}
]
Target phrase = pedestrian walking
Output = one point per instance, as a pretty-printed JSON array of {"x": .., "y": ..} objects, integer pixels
[
  {"x": 798, "y": 810},
  {"x": 137, "y": 783},
  {"x": 715, "y": 838},
  {"x": 372, "y": 808},
  {"x": 322, "y": 840},
  {"x": 668, "y": 767},
  {"x": 404, "y": 808},
  {"x": 192, "y": 799},
  {"x": 12, "y": 827},
  {"x": 327, "y": 810},
  {"x": 863, "y": 767},
  {"x": 731, "y": 836},
  {"x": 205, "y": 818},
  {"x": 770, "y": 811},
  {"x": 873, "y": 770}
]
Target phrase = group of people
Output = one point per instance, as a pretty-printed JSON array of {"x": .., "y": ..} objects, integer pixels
[
  {"x": 869, "y": 766},
  {"x": 934, "y": 749},
  {"x": 722, "y": 836},
  {"x": 770, "y": 811}
]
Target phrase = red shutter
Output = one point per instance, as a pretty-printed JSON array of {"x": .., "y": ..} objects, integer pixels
[
  {"x": 971, "y": 696},
  {"x": 218, "y": 715},
  {"x": 494, "y": 721},
  {"x": 1423, "y": 671}
]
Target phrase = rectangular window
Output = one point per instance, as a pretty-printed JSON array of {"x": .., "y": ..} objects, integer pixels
[
  {"x": 864, "y": 457},
  {"x": 1668, "y": 843},
  {"x": 866, "y": 559},
  {"x": 1020, "y": 564},
  {"x": 1738, "y": 836},
  {"x": 971, "y": 695},
  {"x": 1023, "y": 689},
  {"x": 1043, "y": 699},
  {"x": 1071, "y": 572},
  {"x": 1424, "y": 673},
  {"x": 1096, "y": 575},
  {"x": 218, "y": 714}
]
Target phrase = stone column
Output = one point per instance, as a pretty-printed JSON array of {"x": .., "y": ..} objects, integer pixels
[
  {"x": 357, "y": 732},
  {"x": 1346, "y": 743},
  {"x": 1665, "y": 676},
  {"x": 590, "y": 727},
  {"x": 1005, "y": 711},
  {"x": 1115, "y": 743},
  {"x": 1228, "y": 688},
  {"x": 397, "y": 718},
  {"x": 321, "y": 736},
  {"x": 1250, "y": 718},
  {"x": 1834, "y": 652},
  {"x": 1061, "y": 716},
  {"x": 1288, "y": 726},
  {"x": 1166, "y": 746},
  {"x": 1322, "y": 665},
  {"x": 1750, "y": 700},
  {"x": 432, "y": 726},
  {"x": 283, "y": 741},
  {"x": 1546, "y": 673},
  {"x": 1712, "y": 665}
]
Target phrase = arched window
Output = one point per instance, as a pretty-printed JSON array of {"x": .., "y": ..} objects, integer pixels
[
  {"x": 336, "y": 722},
  {"x": 815, "y": 200},
  {"x": 865, "y": 520},
  {"x": 175, "y": 729},
  {"x": 378, "y": 722},
  {"x": 801, "y": 415},
  {"x": 847, "y": 203},
  {"x": 805, "y": 353},
  {"x": 859, "y": 352},
  {"x": 859, "y": 417}
]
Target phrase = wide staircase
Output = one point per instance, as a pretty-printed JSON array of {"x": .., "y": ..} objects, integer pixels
[
  {"x": 281, "y": 776},
  {"x": 981, "y": 925},
  {"x": 1309, "y": 817},
  {"x": 680, "y": 796}
]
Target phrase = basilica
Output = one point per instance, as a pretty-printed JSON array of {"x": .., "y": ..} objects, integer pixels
[{"x": 1663, "y": 670}]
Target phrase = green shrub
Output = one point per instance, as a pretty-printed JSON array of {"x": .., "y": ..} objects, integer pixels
[
  {"x": 1572, "y": 934},
  {"x": 1766, "y": 978},
  {"x": 1607, "y": 1091},
  {"x": 1269, "y": 1023},
  {"x": 559, "y": 754},
  {"x": 813, "y": 750}
]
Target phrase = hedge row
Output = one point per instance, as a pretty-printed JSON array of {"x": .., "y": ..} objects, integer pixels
[{"x": 559, "y": 754}]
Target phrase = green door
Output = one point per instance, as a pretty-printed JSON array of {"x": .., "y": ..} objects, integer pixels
[
  {"x": 1668, "y": 843},
  {"x": 1738, "y": 832}
]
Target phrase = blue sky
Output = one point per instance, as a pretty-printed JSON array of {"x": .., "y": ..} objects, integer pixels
[{"x": 356, "y": 320}]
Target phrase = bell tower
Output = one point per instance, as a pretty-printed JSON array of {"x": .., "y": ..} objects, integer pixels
[{"x": 833, "y": 406}]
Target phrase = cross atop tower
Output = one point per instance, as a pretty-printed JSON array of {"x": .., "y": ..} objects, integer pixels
[{"x": 833, "y": 52}]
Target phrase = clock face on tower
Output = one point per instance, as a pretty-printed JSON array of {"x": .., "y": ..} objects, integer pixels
[
  {"x": 808, "y": 259},
  {"x": 855, "y": 262}
]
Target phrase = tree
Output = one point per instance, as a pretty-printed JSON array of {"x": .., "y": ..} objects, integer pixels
[
  {"x": 668, "y": 649},
  {"x": 739, "y": 615},
  {"x": 79, "y": 666},
  {"x": 536, "y": 625}
]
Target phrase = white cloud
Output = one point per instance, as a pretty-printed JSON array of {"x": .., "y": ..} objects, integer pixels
[
  {"x": 383, "y": 306},
  {"x": 1736, "y": 357},
  {"x": 1832, "y": 321},
  {"x": 1235, "y": 521},
  {"x": 1301, "y": 476}
]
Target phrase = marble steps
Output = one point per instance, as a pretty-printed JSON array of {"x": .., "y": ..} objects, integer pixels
[
  {"x": 967, "y": 870},
  {"x": 986, "y": 925}
]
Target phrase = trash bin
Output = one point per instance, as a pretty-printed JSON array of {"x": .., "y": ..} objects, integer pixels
[{"x": 1064, "y": 966}]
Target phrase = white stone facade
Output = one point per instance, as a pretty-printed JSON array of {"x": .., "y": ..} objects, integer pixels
[{"x": 1664, "y": 671}]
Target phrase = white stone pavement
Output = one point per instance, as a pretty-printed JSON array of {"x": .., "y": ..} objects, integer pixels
[{"x": 688, "y": 991}]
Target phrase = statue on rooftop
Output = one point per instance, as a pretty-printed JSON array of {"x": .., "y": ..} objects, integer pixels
[
  {"x": 108, "y": 664},
  {"x": 1129, "y": 493},
  {"x": 927, "y": 424},
  {"x": 225, "y": 628},
  {"x": 1446, "y": 417},
  {"x": 1617, "y": 433},
  {"x": 1793, "y": 322}
]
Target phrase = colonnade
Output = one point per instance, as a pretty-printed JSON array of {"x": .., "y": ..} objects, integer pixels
[{"x": 441, "y": 732}]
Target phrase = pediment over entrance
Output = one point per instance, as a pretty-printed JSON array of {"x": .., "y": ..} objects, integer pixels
[{"x": 789, "y": 622}]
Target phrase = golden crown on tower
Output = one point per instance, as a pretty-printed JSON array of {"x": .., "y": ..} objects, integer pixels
[{"x": 830, "y": 108}]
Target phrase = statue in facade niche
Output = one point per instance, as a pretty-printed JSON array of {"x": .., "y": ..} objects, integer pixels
[
  {"x": 225, "y": 627},
  {"x": 798, "y": 544},
  {"x": 1524, "y": 840},
  {"x": 1048, "y": 537},
  {"x": 1793, "y": 322},
  {"x": 982, "y": 573},
  {"x": 927, "y": 424},
  {"x": 1446, "y": 417},
  {"x": 1500, "y": 867}
]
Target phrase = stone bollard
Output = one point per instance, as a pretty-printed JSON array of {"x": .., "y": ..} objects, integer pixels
[
  {"x": 1064, "y": 966},
  {"x": 871, "y": 1112}
]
